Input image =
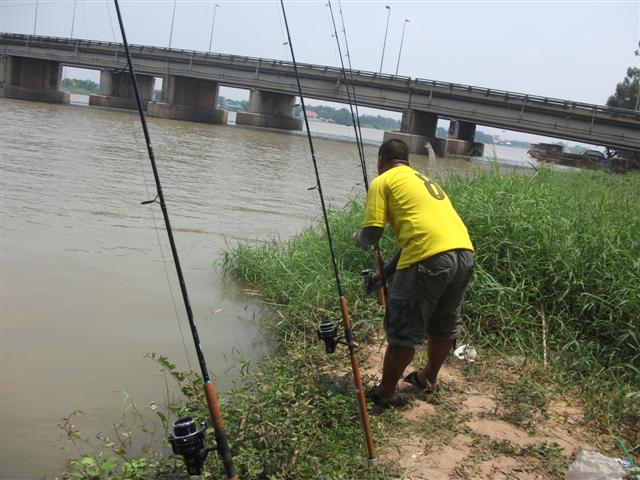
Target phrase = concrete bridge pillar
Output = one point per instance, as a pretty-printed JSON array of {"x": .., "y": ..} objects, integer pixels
[
  {"x": 462, "y": 130},
  {"x": 116, "y": 90},
  {"x": 416, "y": 130},
  {"x": 191, "y": 99},
  {"x": 460, "y": 141},
  {"x": 31, "y": 79},
  {"x": 269, "y": 109}
]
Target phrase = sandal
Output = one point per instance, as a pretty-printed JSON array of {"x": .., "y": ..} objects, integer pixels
[
  {"x": 398, "y": 401},
  {"x": 414, "y": 379}
]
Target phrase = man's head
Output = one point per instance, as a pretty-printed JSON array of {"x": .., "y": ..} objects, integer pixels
[{"x": 391, "y": 153}]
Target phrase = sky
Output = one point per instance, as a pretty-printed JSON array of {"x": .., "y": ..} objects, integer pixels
[{"x": 575, "y": 50}]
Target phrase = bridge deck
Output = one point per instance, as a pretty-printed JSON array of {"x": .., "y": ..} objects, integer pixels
[{"x": 554, "y": 117}]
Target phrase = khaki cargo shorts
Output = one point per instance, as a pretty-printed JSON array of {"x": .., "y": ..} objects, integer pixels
[{"x": 426, "y": 299}]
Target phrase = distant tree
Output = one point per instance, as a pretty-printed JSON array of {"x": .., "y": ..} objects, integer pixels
[
  {"x": 627, "y": 91},
  {"x": 483, "y": 137},
  {"x": 379, "y": 122},
  {"x": 626, "y": 96},
  {"x": 84, "y": 87}
]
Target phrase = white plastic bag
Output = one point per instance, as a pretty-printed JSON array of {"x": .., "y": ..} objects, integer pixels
[
  {"x": 590, "y": 465},
  {"x": 466, "y": 353}
]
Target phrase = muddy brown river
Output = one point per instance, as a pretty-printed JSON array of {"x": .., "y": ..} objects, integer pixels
[{"x": 85, "y": 290}]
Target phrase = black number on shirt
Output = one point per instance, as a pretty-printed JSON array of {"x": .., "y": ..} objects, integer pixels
[{"x": 432, "y": 187}]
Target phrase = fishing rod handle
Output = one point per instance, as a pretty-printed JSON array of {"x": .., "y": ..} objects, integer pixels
[
  {"x": 218, "y": 425},
  {"x": 357, "y": 380}
]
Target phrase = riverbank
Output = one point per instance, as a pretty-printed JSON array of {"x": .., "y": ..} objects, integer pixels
[{"x": 553, "y": 311}]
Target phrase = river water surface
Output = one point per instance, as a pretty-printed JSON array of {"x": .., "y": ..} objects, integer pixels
[{"x": 84, "y": 289}]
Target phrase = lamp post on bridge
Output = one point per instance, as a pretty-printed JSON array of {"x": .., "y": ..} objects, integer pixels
[
  {"x": 73, "y": 17},
  {"x": 213, "y": 21},
  {"x": 385, "y": 35},
  {"x": 35, "y": 19},
  {"x": 406, "y": 20},
  {"x": 173, "y": 17},
  {"x": 637, "y": 52}
]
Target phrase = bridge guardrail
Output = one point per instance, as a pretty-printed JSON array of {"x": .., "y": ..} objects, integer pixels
[{"x": 526, "y": 99}]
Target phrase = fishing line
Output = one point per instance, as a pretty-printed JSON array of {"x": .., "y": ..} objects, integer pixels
[
  {"x": 164, "y": 261},
  {"x": 187, "y": 440},
  {"x": 110, "y": 20},
  {"x": 355, "y": 99},
  {"x": 283, "y": 37},
  {"x": 331, "y": 35},
  {"x": 358, "y": 133},
  {"x": 344, "y": 309},
  {"x": 346, "y": 85}
]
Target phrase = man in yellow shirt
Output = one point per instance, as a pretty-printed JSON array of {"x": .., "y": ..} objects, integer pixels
[{"x": 432, "y": 267}]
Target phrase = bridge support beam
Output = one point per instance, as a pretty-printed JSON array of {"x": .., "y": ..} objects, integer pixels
[
  {"x": 416, "y": 130},
  {"x": 271, "y": 110},
  {"x": 462, "y": 130},
  {"x": 116, "y": 90},
  {"x": 191, "y": 99},
  {"x": 31, "y": 79},
  {"x": 460, "y": 141}
]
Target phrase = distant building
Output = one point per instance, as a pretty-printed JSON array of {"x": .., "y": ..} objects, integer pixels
[{"x": 312, "y": 115}]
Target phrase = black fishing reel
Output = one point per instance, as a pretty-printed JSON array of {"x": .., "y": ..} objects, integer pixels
[
  {"x": 188, "y": 440},
  {"x": 367, "y": 277},
  {"x": 328, "y": 333}
]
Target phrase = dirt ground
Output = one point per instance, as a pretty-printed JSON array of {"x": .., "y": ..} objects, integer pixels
[{"x": 487, "y": 421}]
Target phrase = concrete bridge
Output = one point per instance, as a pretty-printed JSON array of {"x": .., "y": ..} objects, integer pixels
[{"x": 31, "y": 69}]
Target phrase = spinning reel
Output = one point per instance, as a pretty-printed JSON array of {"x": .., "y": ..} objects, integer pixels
[
  {"x": 328, "y": 332},
  {"x": 188, "y": 440}
]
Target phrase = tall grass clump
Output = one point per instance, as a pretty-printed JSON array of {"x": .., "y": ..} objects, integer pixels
[
  {"x": 296, "y": 275},
  {"x": 558, "y": 256},
  {"x": 557, "y": 277}
]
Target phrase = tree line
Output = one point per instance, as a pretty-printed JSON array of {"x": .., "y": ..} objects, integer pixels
[{"x": 83, "y": 87}]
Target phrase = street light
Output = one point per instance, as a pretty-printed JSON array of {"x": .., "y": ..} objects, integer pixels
[
  {"x": 385, "y": 35},
  {"x": 35, "y": 19},
  {"x": 406, "y": 20},
  {"x": 73, "y": 18},
  {"x": 173, "y": 17},
  {"x": 212, "y": 22},
  {"x": 637, "y": 52}
]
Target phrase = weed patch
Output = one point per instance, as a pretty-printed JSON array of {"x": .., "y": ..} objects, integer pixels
[{"x": 556, "y": 283}]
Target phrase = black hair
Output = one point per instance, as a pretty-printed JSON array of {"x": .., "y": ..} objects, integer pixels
[{"x": 394, "y": 149}]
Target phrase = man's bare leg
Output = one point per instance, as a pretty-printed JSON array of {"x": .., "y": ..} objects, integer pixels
[
  {"x": 437, "y": 351},
  {"x": 396, "y": 359}
]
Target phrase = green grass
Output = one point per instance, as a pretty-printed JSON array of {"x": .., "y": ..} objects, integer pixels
[
  {"x": 558, "y": 247},
  {"x": 563, "y": 247},
  {"x": 523, "y": 402}
]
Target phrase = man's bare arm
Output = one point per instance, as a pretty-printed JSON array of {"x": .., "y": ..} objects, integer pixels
[{"x": 368, "y": 236}]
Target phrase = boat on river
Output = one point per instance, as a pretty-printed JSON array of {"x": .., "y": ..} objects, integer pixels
[{"x": 553, "y": 153}]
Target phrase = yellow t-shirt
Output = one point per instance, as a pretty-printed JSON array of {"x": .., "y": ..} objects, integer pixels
[{"x": 419, "y": 213}]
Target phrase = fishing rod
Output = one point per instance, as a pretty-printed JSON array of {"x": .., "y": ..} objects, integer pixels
[
  {"x": 377, "y": 257},
  {"x": 188, "y": 440},
  {"x": 328, "y": 331},
  {"x": 346, "y": 84},
  {"x": 355, "y": 100}
]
